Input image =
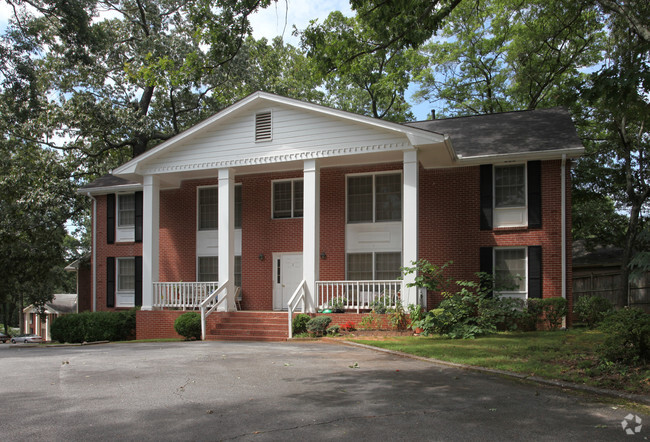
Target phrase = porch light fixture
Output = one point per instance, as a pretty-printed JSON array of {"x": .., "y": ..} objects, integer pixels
[
  {"x": 261, "y": 257},
  {"x": 323, "y": 255}
]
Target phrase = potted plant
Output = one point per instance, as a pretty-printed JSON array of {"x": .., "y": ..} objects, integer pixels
[{"x": 416, "y": 314}]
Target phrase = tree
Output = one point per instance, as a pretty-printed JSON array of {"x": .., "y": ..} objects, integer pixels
[
  {"x": 503, "y": 55},
  {"x": 37, "y": 199},
  {"x": 358, "y": 76},
  {"x": 113, "y": 86},
  {"x": 617, "y": 163}
]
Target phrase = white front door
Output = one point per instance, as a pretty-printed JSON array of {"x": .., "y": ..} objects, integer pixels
[{"x": 287, "y": 274}]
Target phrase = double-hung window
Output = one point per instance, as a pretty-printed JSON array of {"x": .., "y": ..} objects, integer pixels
[
  {"x": 125, "y": 282},
  {"x": 208, "y": 207},
  {"x": 510, "y": 186},
  {"x": 126, "y": 210},
  {"x": 510, "y": 271},
  {"x": 373, "y": 266},
  {"x": 288, "y": 198},
  {"x": 208, "y": 269},
  {"x": 374, "y": 198}
]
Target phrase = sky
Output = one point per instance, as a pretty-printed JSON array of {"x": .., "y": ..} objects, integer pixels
[{"x": 279, "y": 19}]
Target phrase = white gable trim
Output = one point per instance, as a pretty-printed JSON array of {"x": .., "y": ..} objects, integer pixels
[{"x": 415, "y": 136}]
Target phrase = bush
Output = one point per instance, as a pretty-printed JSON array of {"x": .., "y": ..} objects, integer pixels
[
  {"x": 627, "y": 337},
  {"x": 397, "y": 318},
  {"x": 333, "y": 329},
  {"x": 299, "y": 323},
  {"x": 318, "y": 325},
  {"x": 370, "y": 322},
  {"x": 554, "y": 309},
  {"x": 380, "y": 305},
  {"x": 592, "y": 310},
  {"x": 188, "y": 325},
  {"x": 94, "y": 326},
  {"x": 348, "y": 326}
]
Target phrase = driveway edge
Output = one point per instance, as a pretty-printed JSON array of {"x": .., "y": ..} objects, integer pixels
[{"x": 562, "y": 384}]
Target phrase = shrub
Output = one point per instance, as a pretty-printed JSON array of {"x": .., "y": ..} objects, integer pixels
[
  {"x": 348, "y": 326},
  {"x": 592, "y": 310},
  {"x": 416, "y": 315},
  {"x": 318, "y": 325},
  {"x": 370, "y": 322},
  {"x": 94, "y": 326},
  {"x": 398, "y": 319},
  {"x": 554, "y": 309},
  {"x": 337, "y": 305},
  {"x": 188, "y": 325},
  {"x": 380, "y": 305},
  {"x": 299, "y": 323},
  {"x": 333, "y": 329},
  {"x": 627, "y": 337}
]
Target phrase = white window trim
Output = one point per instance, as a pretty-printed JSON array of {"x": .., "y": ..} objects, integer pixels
[
  {"x": 121, "y": 294},
  {"x": 374, "y": 196},
  {"x": 516, "y": 216},
  {"x": 198, "y": 208},
  {"x": 126, "y": 232},
  {"x": 374, "y": 261},
  {"x": 518, "y": 294},
  {"x": 292, "y": 180}
]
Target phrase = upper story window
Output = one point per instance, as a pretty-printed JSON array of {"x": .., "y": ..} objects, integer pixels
[
  {"x": 126, "y": 210},
  {"x": 208, "y": 207},
  {"x": 510, "y": 186},
  {"x": 374, "y": 198},
  {"x": 288, "y": 198}
]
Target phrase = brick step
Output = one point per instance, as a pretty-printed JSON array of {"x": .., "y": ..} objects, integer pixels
[
  {"x": 260, "y": 333},
  {"x": 245, "y": 338},
  {"x": 256, "y": 326}
]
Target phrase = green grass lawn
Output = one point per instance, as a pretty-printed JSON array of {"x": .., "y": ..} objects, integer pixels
[{"x": 561, "y": 355}]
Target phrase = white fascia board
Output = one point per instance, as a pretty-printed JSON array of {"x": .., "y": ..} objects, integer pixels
[
  {"x": 415, "y": 136},
  {"x": 110, "y": 189},
  {"x": 573, "y": 152}
]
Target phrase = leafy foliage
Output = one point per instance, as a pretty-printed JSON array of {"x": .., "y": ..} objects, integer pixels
[
  {"x": 188, "y": 325},
  {"x": 95, "y": 326},
  {"x": 317, "y": 326},
  {"x": 592, "y": 310},
  {"x": 299, "y": 323},
  {"x": 628, "y": 337}
]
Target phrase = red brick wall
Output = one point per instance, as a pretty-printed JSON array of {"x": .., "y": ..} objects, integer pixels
[
  {"x": 450, "y": 225},
  {"x": 104, "y": 250},
  {"x": 448, "y": 229},
  {"x": 156, "y": 324}
]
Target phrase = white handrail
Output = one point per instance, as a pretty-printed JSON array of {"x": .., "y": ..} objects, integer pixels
[
  {"x": 210, "y": 299},
  {"x": 298, "y": 295},
  {"x": 183, "y": 295},
  {"x": 358, "y": 295}
]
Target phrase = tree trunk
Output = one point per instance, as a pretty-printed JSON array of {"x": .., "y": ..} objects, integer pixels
[
  {"x": 628, "y": 251},
  {"x": 21, "y": 317}
]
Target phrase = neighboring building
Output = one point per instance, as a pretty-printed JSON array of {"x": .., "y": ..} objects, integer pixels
[
  {"x": 273, "y": 193},
  {"x": 598, "y": 273},
  {"x": 61, "y": 304}
]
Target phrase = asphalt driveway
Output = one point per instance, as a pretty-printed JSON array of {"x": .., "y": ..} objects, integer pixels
[{"x": 278, "y": 391}]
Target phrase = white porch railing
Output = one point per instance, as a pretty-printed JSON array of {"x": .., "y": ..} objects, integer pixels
[
  {"x": 299, "y": 295},
  {"x": 181, "y": 295},
  {"x": 214, "y": 301},
  {"x": 358, "y": 295}
]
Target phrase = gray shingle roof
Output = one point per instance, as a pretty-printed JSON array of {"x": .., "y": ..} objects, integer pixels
[
  {"x": 108, "y": 181},
  {"x": 509, "y": 132}
]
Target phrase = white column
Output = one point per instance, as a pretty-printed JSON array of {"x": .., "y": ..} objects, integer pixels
[
  {"x": 150, "y": 238},
  {"x": 47, "y": 326},
  {"x": 227, "y": 234},
  {"x": 311, "y": 228},
  {"x": 410, "y": 224}
]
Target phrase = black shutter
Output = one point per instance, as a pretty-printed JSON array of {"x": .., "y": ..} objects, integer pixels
[
  {"x": 110, "y": 282},
  {"x": 534, "y": 271},
  {"x": 486, "y": 197},
  {"x": 138, "y": 280},
  {"x": 110, "y": 218},
  {"x": 534, "y": 194},
  {"x": 487, "y": 265},
  {"x": 138, "y": 217}
]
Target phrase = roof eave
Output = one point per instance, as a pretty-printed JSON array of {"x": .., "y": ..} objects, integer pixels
[
  {"x": 572, "y": 152},
  {"x": 110, "y": 189}
]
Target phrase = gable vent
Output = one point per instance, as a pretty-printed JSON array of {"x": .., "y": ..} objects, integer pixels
[{"x": 263, "y": 126}]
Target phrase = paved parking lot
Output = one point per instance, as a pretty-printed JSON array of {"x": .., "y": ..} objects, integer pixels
[{"x": 278, "y": 391}]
